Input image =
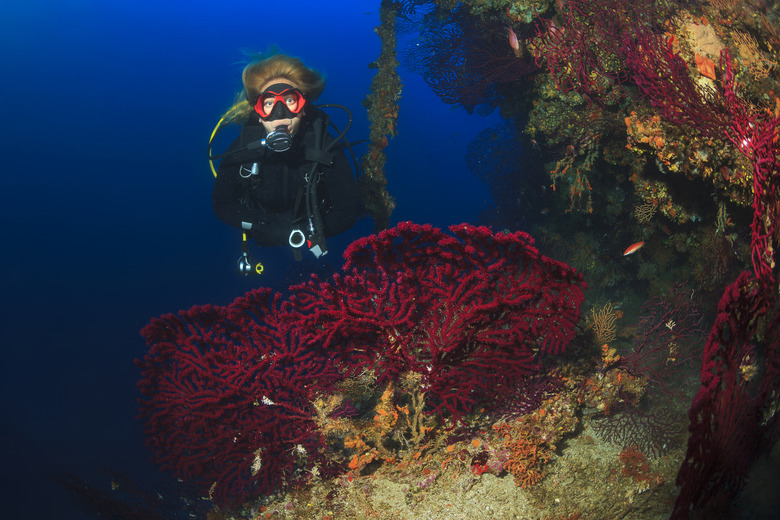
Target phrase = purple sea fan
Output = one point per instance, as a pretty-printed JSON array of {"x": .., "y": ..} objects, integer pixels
[
  {"x": 669, "y": 340},
  {"x": 466, "y": 60},
  {"x": 652, "y": 430}
]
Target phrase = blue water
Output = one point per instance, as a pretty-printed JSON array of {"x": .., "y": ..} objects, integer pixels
[{"x": 106, "y": 213}]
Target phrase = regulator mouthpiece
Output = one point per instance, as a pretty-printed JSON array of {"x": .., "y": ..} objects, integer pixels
[{"x": 279, "y": 140}]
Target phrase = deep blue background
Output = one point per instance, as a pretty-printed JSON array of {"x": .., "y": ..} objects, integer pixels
[{"x": 106, "y": 217}]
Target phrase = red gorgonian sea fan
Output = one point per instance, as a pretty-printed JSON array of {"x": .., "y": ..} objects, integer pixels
[
  {"x": 467, "y": 311},
  {"x": 226, "y": 396},
  {"x": 227, "y": 391}
]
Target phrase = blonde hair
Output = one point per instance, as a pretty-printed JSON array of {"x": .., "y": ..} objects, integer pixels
[{"x": 259, "y": 73}]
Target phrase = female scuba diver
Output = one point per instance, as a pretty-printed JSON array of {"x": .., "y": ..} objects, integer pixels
[{"x": 285, "y": 180}]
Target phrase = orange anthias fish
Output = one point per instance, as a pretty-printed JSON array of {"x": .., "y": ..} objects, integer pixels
[
  {"x": 633, "y": 248},
  {"x": 513, "y": 41}
]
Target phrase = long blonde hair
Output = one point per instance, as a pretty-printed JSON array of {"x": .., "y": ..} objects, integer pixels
[{"x": 258, "y": 73}]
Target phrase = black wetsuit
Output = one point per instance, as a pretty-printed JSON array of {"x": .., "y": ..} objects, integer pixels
[{"x": 271, "y": 203}]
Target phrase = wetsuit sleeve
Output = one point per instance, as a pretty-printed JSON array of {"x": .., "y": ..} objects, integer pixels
[{"x": 343, "y": 195}]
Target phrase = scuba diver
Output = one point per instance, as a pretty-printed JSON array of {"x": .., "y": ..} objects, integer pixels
[{"x": 285, "y": 179}]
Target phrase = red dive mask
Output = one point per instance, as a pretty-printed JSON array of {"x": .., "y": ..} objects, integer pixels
[{"x": 279, "y": 101}]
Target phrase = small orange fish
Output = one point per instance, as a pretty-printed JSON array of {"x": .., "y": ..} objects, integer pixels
[
  {"x": 513, "y": 41},
  {"x": 633, "y": 248}
]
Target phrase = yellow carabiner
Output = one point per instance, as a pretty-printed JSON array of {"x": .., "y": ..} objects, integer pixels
[{"x": 259, "y": 268}]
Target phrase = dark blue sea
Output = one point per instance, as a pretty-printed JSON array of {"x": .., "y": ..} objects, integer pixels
[{"x": 107, "y": 107}]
